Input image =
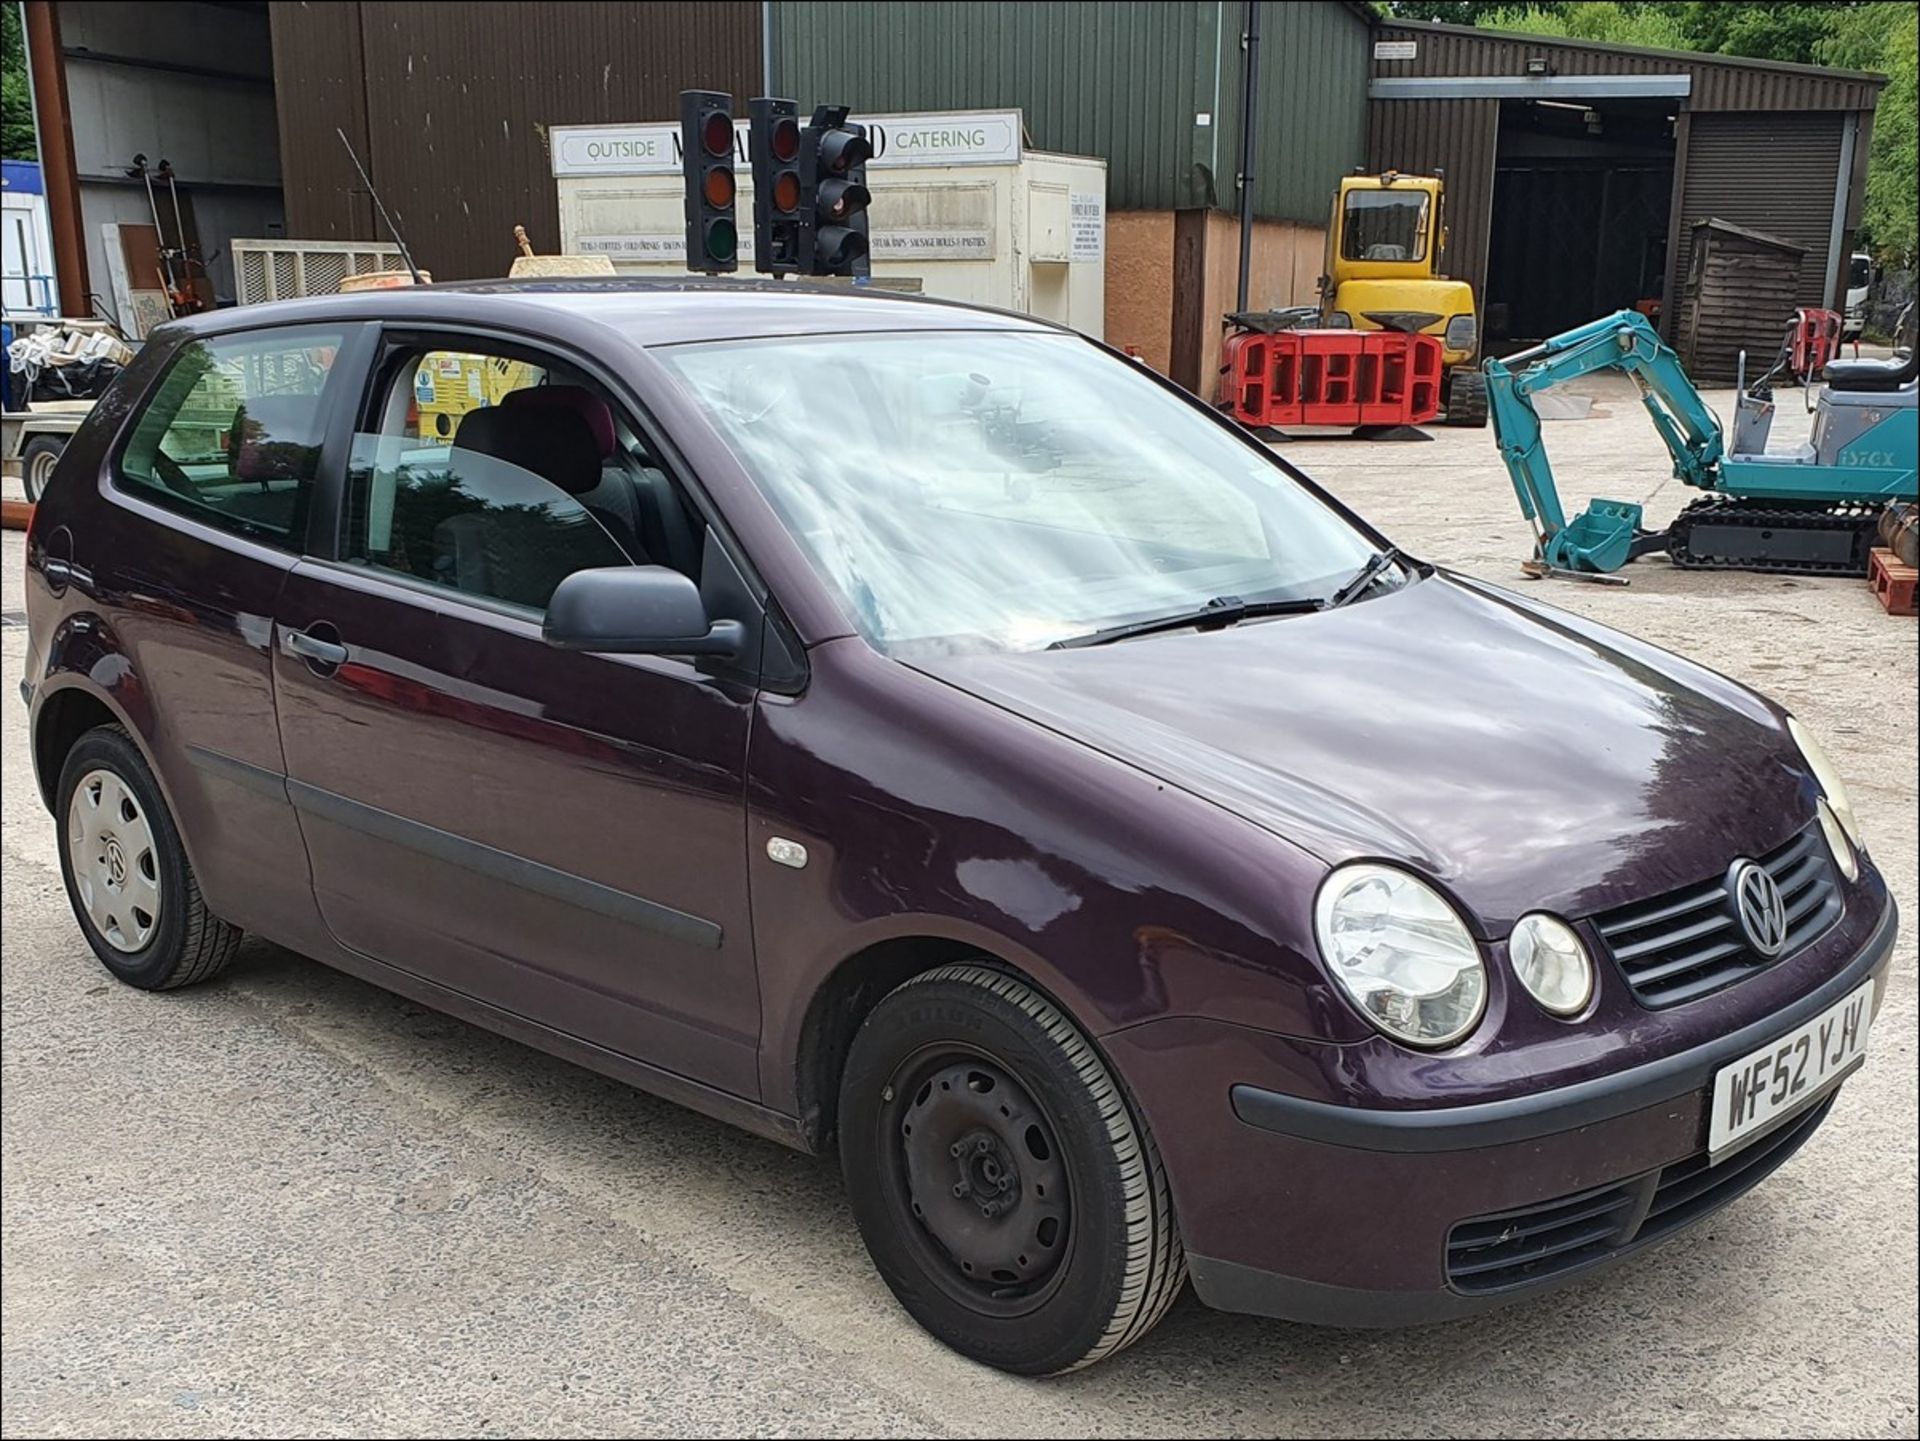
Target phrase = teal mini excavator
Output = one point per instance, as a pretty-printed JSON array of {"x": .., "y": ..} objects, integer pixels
[{"x": 1808, "y": 511}]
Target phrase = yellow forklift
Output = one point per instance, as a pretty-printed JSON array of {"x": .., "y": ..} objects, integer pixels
[{"x": 1385, "y": 245}]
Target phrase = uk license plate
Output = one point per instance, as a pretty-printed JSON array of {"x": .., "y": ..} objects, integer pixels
[{"x": 1764, "y": 1086}]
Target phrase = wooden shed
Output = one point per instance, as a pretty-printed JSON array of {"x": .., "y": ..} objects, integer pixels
[{"x": 1741, "y": 292}]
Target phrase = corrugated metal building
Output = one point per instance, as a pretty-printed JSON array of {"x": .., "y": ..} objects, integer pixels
[
  {"x": 1576, "y": 172},
  {"x": 1156, "y": 88},
  {"x": 449, "y": 105},
  {"x": 1153, "y": 86}
]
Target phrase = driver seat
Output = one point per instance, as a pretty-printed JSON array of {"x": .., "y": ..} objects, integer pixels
[{"x": 1873, "y": 376}]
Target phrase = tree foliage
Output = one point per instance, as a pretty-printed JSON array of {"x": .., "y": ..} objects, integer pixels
[
  {"x": 1885, "y": 36},
  {"x": 16, "y": 105},
  {"x": 1876, "y": 35}
]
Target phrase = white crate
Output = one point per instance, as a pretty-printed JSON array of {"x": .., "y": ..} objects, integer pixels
[{"x": 285, "y": 269}]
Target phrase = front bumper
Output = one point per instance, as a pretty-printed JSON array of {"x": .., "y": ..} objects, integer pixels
[{"x": 1347, "y": 1216}]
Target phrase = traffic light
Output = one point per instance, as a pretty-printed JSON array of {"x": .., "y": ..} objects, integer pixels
[
  {"x": 773, "y": 142},
  {"x": 833, "y": 201},
  {"x": 706, "y": 160}
]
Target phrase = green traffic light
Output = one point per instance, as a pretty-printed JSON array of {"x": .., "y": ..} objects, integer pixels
[{"x": 722, "y": 241}]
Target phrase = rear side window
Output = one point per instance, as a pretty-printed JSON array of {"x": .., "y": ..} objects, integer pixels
[{"x": 232, "y": 435}]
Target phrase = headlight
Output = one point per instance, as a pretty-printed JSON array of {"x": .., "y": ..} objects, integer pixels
[
  {"x": 1837, "y": 842},
  {"x": 1829, "y": 779},
  {"x": 1403, "y": 955},
  {"x": 1460, "y": 333},
  {"x": 1551, "y": 963}
]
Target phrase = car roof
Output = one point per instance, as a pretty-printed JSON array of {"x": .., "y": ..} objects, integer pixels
[{"x": 674, "y": 311}]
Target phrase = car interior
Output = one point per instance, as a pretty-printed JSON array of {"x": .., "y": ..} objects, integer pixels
[{"x": 542, "y": 481}]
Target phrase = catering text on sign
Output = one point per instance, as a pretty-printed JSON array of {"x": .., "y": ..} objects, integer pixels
[{"x": 965, "y": 137}]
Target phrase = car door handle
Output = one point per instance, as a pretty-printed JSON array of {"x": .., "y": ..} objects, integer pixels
[{"x": 312, "y": 648}]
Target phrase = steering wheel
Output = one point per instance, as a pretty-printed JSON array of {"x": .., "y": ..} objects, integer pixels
[{"x": 169, "y": 473}]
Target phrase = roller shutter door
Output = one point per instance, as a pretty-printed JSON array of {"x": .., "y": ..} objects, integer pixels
[{"x": 1771, "y": 172}]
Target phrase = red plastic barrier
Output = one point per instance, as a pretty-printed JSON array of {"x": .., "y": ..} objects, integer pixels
[{"x": 1333, "y": 377}]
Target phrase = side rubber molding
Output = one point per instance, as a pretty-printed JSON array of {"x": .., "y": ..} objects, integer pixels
[{"x": 1461, "y": 1128}]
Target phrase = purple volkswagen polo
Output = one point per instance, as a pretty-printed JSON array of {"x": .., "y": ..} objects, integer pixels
[{"x": 914, "y": 729}]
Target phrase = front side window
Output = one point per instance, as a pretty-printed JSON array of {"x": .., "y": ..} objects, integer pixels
[
  {"x": 1384, "y": 225},
  {"x": 993, "y": 490},
  {"x": 488, "y": 479},
  {"x": 232, "y": 434}
]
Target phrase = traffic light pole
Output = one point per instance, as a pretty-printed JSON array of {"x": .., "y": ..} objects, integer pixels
[{"x": 1249, "y": 111}]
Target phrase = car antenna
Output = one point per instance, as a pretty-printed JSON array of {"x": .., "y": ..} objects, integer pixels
[{"x": 392, "y": 229}]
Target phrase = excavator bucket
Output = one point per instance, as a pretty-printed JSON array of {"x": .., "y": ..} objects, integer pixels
[{"x": 1599, "y": 539}]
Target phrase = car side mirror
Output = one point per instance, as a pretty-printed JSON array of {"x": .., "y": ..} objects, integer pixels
[{"x": 636, "y": 610}]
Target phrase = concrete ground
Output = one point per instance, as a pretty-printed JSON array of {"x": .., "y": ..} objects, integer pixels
[{"x": 288, "y": 1203}]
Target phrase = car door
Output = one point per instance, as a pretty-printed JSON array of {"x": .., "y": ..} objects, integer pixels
[
  {"x": 558, "y": 834},
  {"x": 205, "y": 516}
]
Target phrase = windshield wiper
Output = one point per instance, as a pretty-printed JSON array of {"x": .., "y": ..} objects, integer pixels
[
  {"x": 1375, "y": 567},
  {"x": 1224, "y": 610}
]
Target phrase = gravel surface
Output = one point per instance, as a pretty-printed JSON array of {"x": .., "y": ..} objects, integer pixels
[{"x": 289, "y": 1203}]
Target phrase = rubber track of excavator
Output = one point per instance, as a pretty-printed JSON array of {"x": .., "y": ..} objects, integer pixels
[{"x": 1859, "y": 519}]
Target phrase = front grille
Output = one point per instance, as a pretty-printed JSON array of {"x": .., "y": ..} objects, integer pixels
[
  {"x": 1536, "y": 1243},
  {"x": 1496, "y": 1252},
  {"x": 1689, "y": 943},
  {"x": 1689, "y": 1189}
]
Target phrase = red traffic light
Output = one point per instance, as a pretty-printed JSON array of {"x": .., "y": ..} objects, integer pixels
[
  {"x": 786, "y": 141},
  {"x": 716, "y": 134}
]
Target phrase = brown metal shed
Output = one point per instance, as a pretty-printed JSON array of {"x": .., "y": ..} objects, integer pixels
[
  {"x": 449, "y": 107},
  {"x": 1738, "y": 296},
  {"x": 1773, "y": 147}
]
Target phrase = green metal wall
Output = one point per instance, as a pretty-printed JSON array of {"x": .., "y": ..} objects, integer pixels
[
  {"x": 1311, "y": 125},
  {"x": 1124, "y": 79}
]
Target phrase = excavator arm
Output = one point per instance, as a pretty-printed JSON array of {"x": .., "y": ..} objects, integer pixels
[{"x": 1607, "y": 534}]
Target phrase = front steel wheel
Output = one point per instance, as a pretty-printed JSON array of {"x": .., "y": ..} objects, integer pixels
[
  {"x": 977, "y": 1165},
  {"x": 1006, "y": 1187}
]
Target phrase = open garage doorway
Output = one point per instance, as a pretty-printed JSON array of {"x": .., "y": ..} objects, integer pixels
[{"x": 1582, "y": 192}]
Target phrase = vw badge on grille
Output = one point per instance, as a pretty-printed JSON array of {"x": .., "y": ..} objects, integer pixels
[{"x": 1762, "y": 911}]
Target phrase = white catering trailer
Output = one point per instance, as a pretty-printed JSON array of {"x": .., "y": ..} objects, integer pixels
[{"x": 959, "y": 203}]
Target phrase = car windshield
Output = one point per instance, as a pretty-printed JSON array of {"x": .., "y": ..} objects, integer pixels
[
  {"x": 1385, "y": 225},
  {"x": 996, "y": 490}
]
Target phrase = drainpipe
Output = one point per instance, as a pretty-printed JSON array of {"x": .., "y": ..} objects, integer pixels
[
  {"x": 1249, "y": 110},
  {"x": 766, "y": 47},
  {"x": 47, "y": 74}
]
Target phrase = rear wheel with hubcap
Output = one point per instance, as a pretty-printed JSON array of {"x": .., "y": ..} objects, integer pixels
[
  {"x": 128, "y": 878},
  {"x": 1005, "y": 1187}
]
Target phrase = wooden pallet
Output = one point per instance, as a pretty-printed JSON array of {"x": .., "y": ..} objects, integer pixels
[{"x": 1893, "y": 581}]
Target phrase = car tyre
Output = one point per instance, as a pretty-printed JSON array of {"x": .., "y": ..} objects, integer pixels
[
  {"x": 1028, "y": 1223},
  {"x": 37, "y": 460},
  {"x": 127, "y": 875}
]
